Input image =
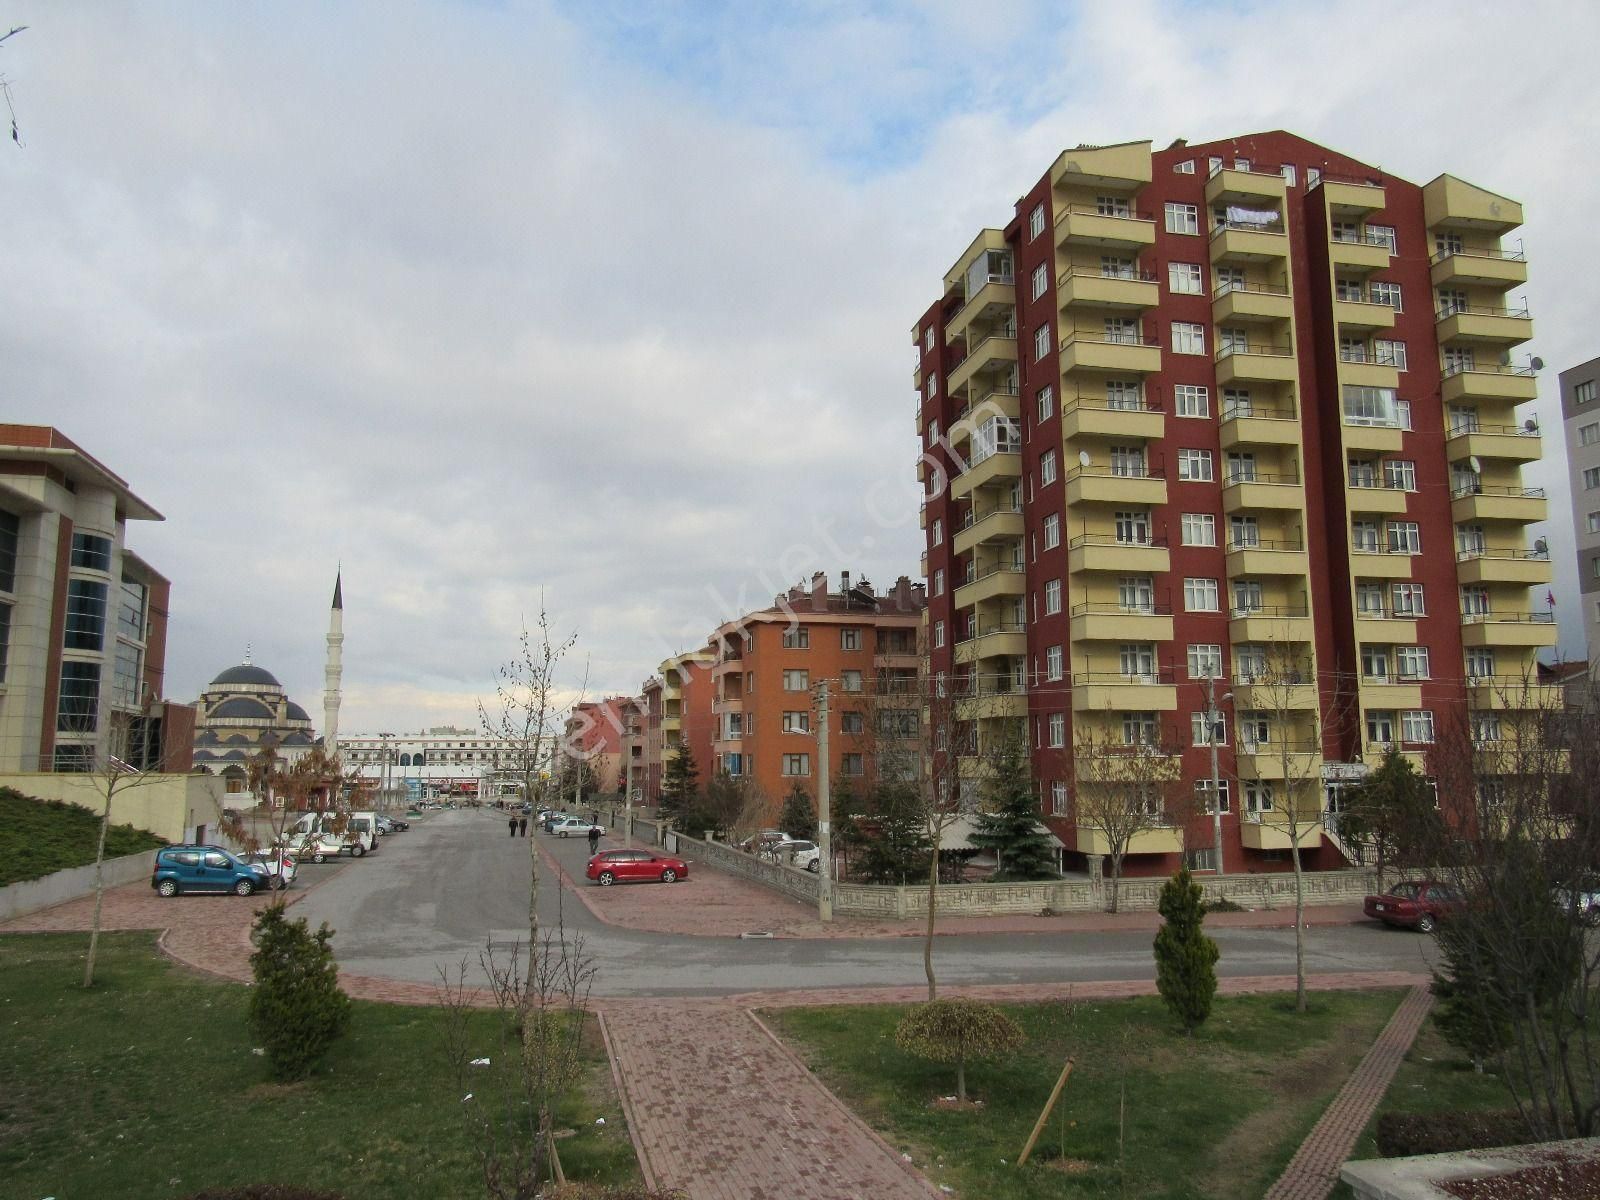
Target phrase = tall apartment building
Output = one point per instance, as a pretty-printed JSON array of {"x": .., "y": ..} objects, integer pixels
[
  {"x": 767, "y": 668},
  {"x": 83, "y": 619},
  {"x": 1215, "y": 416},
  {"x": 1580, "y": 415},
  {"x": 686, "y": 688}
]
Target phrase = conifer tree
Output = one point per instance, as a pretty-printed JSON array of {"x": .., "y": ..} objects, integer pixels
[
  {"x": 1186, "y": 958},
  {"x": 799, "y": 818},
  {"x": 680, "y": 784},
  {"x": 1010, "y": 823}
]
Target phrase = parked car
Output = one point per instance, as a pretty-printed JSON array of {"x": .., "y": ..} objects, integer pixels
[
  {"x": 758, "y": 843},
  {"x": 388, "y": 825},
  {"x": 623, "y": 866},
  {"x": 568, "y": 826},
  {"x": 278, "y": 864},
  {"x": 318, "y": 847},
  {"x": 1418, "y": 904},
  {"x": 1581, "y": 899},
  {"x": 550, "y": 818},
  {"x": 807, "y": 860},
  {"x": 205, "y": 869},
  {"x": 785, "y": 850}
]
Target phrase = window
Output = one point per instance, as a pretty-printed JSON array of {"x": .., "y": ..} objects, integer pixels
[
  {"x": 1257, "y": 797},
  {"x": 1247, "y": 596},
  {"x": 1199, "y": 529},
  {"x": 797, "y": 681},
  {"x": 1052, "y": 531},
  {"x": 1380, "y": 727},
  {"x": 1200, "y": 595},
  {"x": 1139, "y": 729},
  {"x": 1124, "y": 395},
  {"x": 1041, "y": 342},
  {"x": 1183, "y": 218},
  {"x": 1288, "y": 173},
  {"x": 797, "y": 639},
  {"x": 1362, "y": 473},
  {"x": 1036, "y": 221},
  {"x": 1402, "y": 410},
  {"x": 78, "y": 703},
  {"x": 1047, "y": 468},
  {"x": 1128, "y": 461},
  {"x": 1383, "y": 235},
  {"x": 1471, "y": 539},
  {"x": 1233, "y": 341},
  {"x": 797, "y": 722},
  {"x": 1591, "y": 478},
  {"x": 850, "y": 681},
  {"x": 1058, "y": 730},
  {"x": 10, "y": 529},
  {"x": 1202, "y": 795},
  {"x": 1046, "y": 401},
  {"x": 927, "y": 339},
  {"x": 797, "y": 764},
  {"x": 1375, "y": 663},
  {"x": 1407, "y": 600},
  {"x": 852, "y": 722},
  {"x": 1584, "y": 392},
  {"x": 1117, "y": 266},
  {"x": 1052, "y": 662},
  {"x": 1205, "y": 661},
  {"x": 91, "y": 552},
  {"x": 126, "y": 676},
  {"x": 1241, "y": 164},
  {"x": 1241, "y": 467},
  {"x": 1458, "y": 359},
  {"x": 1385, "y": 293},
  {"x": 937, "y": 536},
  {"x": 1184, "y": 278},
  {"x": 1412, "y": 662},
  {"x": 1188, "y": 338},
  {"x": 933, "y": 386},
  {"x": 1474, "y": 600},
  {"x": 1369, "y": 406},
  {"x": 1589, "y": 434},
  {"x": 1186, "y": 167},
  {"x": 1255, "y": 729},
  {"x": 1209, "y": 733},
  {"x": 1313, "y": 176},
  {"x": 1136, "y": 593},
  {"x": 938, "y": 581},
  {"x": 86, "y": 615},
  {"x": 1137, "y": 660},
  {"x": 1364, "y": 537},
  {"x": 1052, "y": 597},
  {"x": 1351, "y": 349},
  {"x": 852, "y": 764},
  {"x": 1593, "y": 522},
  {"x": 1485, "y": 727},
  {"x": 997, "y": 435},
  {"x": 1452, "y": 300},
  {"x": 1194, "y": 465},
  {"x": 1389, "y": 353},
  {"x": 849, "y": 639},
  {"x": 1040, "y": 280},
  {"x": 1191, "y": 400},
  {"x": 1213, "y": 165},
  {"x": 1133, "y": 528},
  {"x": 1416, "y": 726},
  {"x": 1058, "y": 796},
  {"x": 1404, "y": 537},
  {"x": 1243, "y": 532},
  {"x": 1480, "y": 663},
  {"x": 1123, "y": 331},
  {"x": 938, "y": 634},
  {"x": 1400, "y": 474},
  {"x": 933, "y": 433}
]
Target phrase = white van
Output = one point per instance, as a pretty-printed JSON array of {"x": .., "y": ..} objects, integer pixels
[
  {"x": 359, "y": 835},
  {"x": 362, "y": 829}
]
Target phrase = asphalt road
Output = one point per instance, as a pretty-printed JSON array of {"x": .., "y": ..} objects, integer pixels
[{"x": 435, "y": 896}]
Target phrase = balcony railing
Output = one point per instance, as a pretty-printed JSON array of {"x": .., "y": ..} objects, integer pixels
[
  {"x": 1269, "y": 610},
  {"x": 1162, "y": 675},
  {"x": 1274, "y": 226},
  {"x": 1267, "y": 349},
  {"x": 1511, "y": 616},
  {"x": 1270, "y": 745},
  {"x": 1480, "y": 489},
  {"x": 1131, "y": 338},
  {"x": 1504, "y": 555},
  {"x": 1388, "y": 614},
  {"x": 1014, "y": 568},
  {"x": 1137, "y": 404},
  {"x": 1471, "y": 252},
  {"x": 1233, "y": 475},
  {"x": 1099, "y": 608},
  {"x": 1467, "y": 368},
  {"x": 1478, "y": 310},
  {"x": 1360, "y": 354},
  {"x": 1259, "y": 289},
  {"x": 1285, "y": 544},
  {"x": 1133, "y": 275},
  {"x": 984, "y": 630},
  {"x": 1089, "y": 210},
  {"x": 974, "y": 517},
  {"x": 1137, "y": 471},
  {"x": 1292, "y": 673},
  {"x": 1361, "y": 237},
  {"x": 1269, "y": 412},
  {"x": 1149, "y": 541},
  {"x": 1529, "y": 428}
]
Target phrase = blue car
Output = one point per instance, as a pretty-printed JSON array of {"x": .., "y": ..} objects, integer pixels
[{"x": 206, "y": 869}]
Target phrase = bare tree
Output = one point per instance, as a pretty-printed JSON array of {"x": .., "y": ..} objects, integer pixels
[
  {"x": 5, "y": 87},
  {"x": 1127, "y": 786}
]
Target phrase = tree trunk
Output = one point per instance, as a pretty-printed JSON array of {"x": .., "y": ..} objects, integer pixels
[
  {"x": 1299, "y": 919},
  {"x": 933, "y": 900},
  {"x": 1116, "y": 878},
  {"x": 99, "y": 886},
  {"x": 961, "y": 1080}
]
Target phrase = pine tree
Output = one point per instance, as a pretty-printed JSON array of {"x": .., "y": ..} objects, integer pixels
[
  {"x": 297, "y": 1009},
  {"x": 799, "y": 818},
  {"x": 680, "y": 784},
  {"x": 1010, "y": 823},
  {"x": 893, "y": 839},
  {"x": 1186, "y": 974}
]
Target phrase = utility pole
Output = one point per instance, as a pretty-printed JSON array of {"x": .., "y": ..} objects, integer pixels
[{"x": 824, "y": 830}]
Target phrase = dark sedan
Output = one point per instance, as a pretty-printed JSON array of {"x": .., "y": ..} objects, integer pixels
[{"x": 1418, "y": 904}]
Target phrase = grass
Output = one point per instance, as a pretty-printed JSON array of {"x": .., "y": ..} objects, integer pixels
[
  {"x": 1218, "y": 1115},
  {"x": 40, "y": 837},
  {"x": 146, "y": 1086}
]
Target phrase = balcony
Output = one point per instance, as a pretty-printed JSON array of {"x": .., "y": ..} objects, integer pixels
[
  {"x": 1513, "y": 693},
  {"x": 1455, "y": 203},
  {"x": 1373, "y": 498},
  {"x": 1352, "y": 197},
  {"x": 1484, "y": 324},
  {"x": 1260, "y": 425},
  {"x": 1085, "y": 417},
  {"x": 994, "y": 469},
  {"x": 1377, "y": 437},
  {"x": 993, "y": 704},
  {"x": 1389, "y": 692},
  {"x": 1095, "y": 352},
  {"x": 1361, "y": 253},
  {"x": 1248, "y": 243},
  {"x": 1510, "y": 443},
  {"x": 1230, "y": 185},
  {"x": 1362, "y": 316},
  {"x": 1116, "y": 168},
  {"x": 1485, "y": 503},
  {"x": 1256, "y": 363},
  {"x": 1096, "y": 289},
  {"x": 1267, "y": 557},
  {"x": 1486, "y": 267},
  {"x": 1112, "y": 485},
  {"x": 991, "y": 582},
  {"x": 1270, "y": 623},
  {"x": 1242, "y": 491},
  {"x": 999, "y": 402},
  {"x": 1283, "y": 690},
  {"x": 1083, "y": 225},
  {"x": 1233, "y": 302},
  {"x": 1385, "y": 629},
  {"x": 997, "y": 349},
  {"x": 996, "y": 296},
  {"x": 1364, "y": 372},
  {"x": 1163, "y": 839},
  {"x": 1107, "y": 552},
  {"x": 1379, "y": 564},
  {"x": 1527, "y": 567},
  {"x": 1509, "y": 627},
  {"x": 1100, "y": 622},
  {"x": 1287, "y": 760},
  {"x": 1094, "y": 691},
  {"x": 1516, "y": 384},
  {"x": 996, "y": 524},
  {"x": 1003, "y": 639},
  {"x": 1271, "y": 831}
]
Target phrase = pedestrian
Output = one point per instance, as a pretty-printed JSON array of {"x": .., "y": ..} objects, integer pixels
[
  {"x": 513, "y": 827},
  {"x": 522, "y": 826},
  {"x": 594, "y": 838}
]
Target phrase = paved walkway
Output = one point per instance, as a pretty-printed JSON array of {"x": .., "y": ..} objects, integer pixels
[{"x": 1314, "y": 1169}]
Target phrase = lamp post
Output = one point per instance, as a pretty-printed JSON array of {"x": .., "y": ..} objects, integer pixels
[
  {"x": 384, "y": 799},
  {"x": 1216, "y": 777}
]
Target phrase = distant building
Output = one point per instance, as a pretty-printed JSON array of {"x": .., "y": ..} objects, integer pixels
[
  {"x": 596, "y": 730},
  {"x": 444, "y": 761},
  {"x": 677, "y": 714},
  {"x": 1580, "y": 415},
  {"x": 243, "y": 710}
]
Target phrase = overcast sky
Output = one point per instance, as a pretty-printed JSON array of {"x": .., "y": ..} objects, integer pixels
[{"x": 611, "y": 301}]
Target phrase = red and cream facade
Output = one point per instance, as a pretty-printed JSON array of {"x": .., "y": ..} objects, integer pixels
[{"x": 1222, "y": 412}]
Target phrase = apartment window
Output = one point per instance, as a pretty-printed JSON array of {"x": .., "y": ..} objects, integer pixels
[
  {"x": 1136, "y": 593},
  {"x": 1402, "y": 409},
  {"x": 797, "y": 639},
  {"x": 1452, "y": 300},
  {"x": 1183, "y": 218},
  {"x": 1255, "y": 729},
  {"x": 1369, "y": 406},
  {"x": 1046, "y": 401},
  {"x": 1202, "y": 796},
  {"x": 1400, "y": 474},
  {"x": 1128, "y": 461},
  {"x": 849, "y": 639},
  {"x": 1188, "y": 338},
  {"x": 1185, "y": 167},
  {"x": 1591, "y": 478},
  {"x": 938, "y": 581},
  {"x": 797, "y": 722},
  {"x": 1375, "y": 663},
  {"x": 1404, "y": 537},
  {"x": 927, "y": 340},
  {"x": 78, "y": 703},
  {"x": 10, "y": 531},
  {"x": 91, "y": 552},
  {"x": 1383, "y": 235},
  {"x": 796, "y": 764},
  {"x": 1233, "y": 341},
  {"x": 1247, "y": 596},
  {"x": 1191, "y": 400},
  {"x": 1139, "y": 729},
  {"x": 1208, "y": 733},
  {"x": 1036, "y": 221},
  {"x": 1213, "y": 165},
  {"x": 1041, "y": 280},
  {"x": 1363, "y": 473},
  {"x": 1052, "y": 531},
  {"x": 1053, "y": 669},
  {"x": 1380, "y": 727},
  {"x": 1052, "y": 597},
  {"x": 850, "y": 681},
  {"x": 1416, "y": 726},
  {"x": 1241, "y": 467},
  {"x": 1589, "y": 434},
  {"x": 1407, "y": 600},
  {"x": 852, "y": 722},
  {"x": 1471, "y": 539},
  {"x": 1199, "y": 529},
  {"x": 938, "y": 634},
  {"x": 1117, "y": 266},
  {"x": 1058, "y": 796},
  {"x": 1123, "y": 331},
  {"x": 1200, "y": 595},
  {"x": 1412, "y": 662},
  {"x": 86, "y": 615},
  {"x": 853, "y": 764},
  {"x": 1288, "y": 173},
  {"x": 1194, "y": 465},
  {"x": 1584, "y": 392},
  {"x": 1313, "y": 176},
  {"x": 1250, "y": 661},
  {"x": 933, "y": 386},
  {"x": 1133, "y": 527},
  {"x": 1184, "y": 278},
  {"x": 1458, "y": 359},
  {"x": 1113, "y": 206},
  {"x": 1480, "y": 663},
  {"x": 1474, "y": 600},
  {"x": 1386, "y": 293},
  {"x": 1485, "y": 727},
  {"x": 1593, "y": 522},
  {"x": 1041, "y": 342},
  {"x": 1243, "y": 532},
  {"x": 937, "y": 537},
  {"x": 1124, "y": 395},
  {"x": 1047, "y": 468},
  {"x": 1389, "y": 353},
  {"x": 1058, "y": 730},
  {"x": 1205, "y": 661},
  {"x": 797, "y": 681}
]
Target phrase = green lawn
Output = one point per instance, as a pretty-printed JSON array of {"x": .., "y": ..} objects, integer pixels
[
  {"x": 39, "y": 837},
  {"x": 1215, "y": 1116},
  {"x": 146, "y": 1086}
]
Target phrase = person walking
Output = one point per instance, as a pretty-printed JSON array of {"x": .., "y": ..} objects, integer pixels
[
  {"x": 513, "y": 827},
  {"x": 594, "y": 838},
  {"x": 522, "y": 826}
]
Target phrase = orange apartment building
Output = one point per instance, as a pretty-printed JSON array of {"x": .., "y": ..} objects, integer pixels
[
  {"x": 598, "y": 730},
  {"x": 677, "y": 713}
]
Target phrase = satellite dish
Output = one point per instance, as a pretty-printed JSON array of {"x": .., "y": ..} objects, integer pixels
[
  {"x": 1530, "y": 426},
  {"x": 1537, "y": 364},
  {"x": 1541, "y": 546},
  {"x": 1083, "y": 458},
  {"x": 1475, "y": 464}
]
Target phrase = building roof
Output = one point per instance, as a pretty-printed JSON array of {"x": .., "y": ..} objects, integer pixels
[
  {"x": 246, "y": 673},
  {"x": 245, "y": 708},
  {"x": 44, "y": 443},
  {"x": 296, "y": 713}
]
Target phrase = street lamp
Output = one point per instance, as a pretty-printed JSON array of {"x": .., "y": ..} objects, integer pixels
[
  {"x": 1216, "y": 779},
  {"x": 383, "y": 740}
]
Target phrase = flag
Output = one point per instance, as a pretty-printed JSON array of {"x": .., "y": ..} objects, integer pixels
[{"x": 1550, "y": 599}]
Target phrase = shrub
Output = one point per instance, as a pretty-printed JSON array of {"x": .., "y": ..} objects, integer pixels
[
  {"x": 296, "y": 1009},
  {"x": 1186, "y": 958},
  {"x": 1400, "y": 1135},
  {"x": 1223, "y": 904},
  {"x": 956, "y": 1030}
]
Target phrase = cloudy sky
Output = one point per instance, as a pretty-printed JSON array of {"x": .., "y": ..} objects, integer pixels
[{"x": 609, "y": 302}]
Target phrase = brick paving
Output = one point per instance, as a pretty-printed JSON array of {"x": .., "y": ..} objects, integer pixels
[{"x": 1314, "y": 1169}]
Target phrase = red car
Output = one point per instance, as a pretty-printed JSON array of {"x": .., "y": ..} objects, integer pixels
[
  {"x": 619, "y": 866},
  {"x": 1417, "y": 904}
]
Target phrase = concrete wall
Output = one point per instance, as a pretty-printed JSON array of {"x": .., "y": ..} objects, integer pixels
[
  {"x": 20, "y": 898},
  {"x": 169, "y": 806}
]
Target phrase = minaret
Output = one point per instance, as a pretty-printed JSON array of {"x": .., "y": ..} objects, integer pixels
[{"x": 334, "y": 669}]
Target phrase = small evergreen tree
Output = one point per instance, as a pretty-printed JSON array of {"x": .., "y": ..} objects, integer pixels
[
  {"x": 680, "y": 783},
  {"x": 799, "y": 818},
  {"x": 893, "y": 838},
  {"x": 956, "y": 1030},
  {"x": 296, "y": 1010},
  {"x": 1186, "y": 958},
  {"x": 1009, "y": 824},
  {"x": 1391, "y": 812}
]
